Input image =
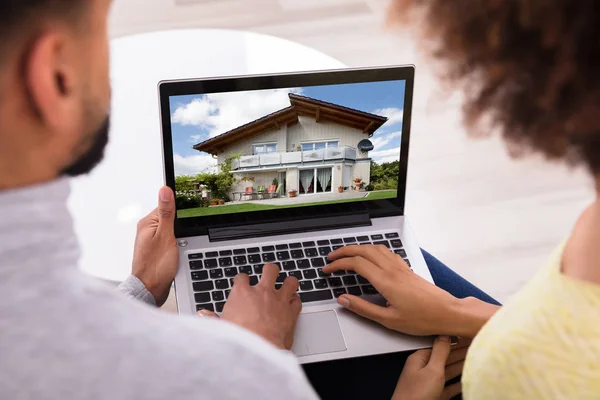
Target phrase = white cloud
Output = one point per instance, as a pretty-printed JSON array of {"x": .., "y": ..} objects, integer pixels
[
  {"x": 384, "y": 156},
  {"x": 394, "y": 115},
  {"x": 381, "y": 140},
  {"x": 196, "y": 138},
  {"x": 221, "y": 112},
  {"x": 193, "y": 165}
]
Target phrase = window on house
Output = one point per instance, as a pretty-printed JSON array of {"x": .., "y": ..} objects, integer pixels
[
  {"x": 319, "y": 145},
  {"x": 265, "y": 148}
]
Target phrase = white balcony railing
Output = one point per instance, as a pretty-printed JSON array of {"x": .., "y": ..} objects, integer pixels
[{"x": 294, "y": 157}]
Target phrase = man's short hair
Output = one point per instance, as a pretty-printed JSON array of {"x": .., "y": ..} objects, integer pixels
[{"x": 19, "y": 14}]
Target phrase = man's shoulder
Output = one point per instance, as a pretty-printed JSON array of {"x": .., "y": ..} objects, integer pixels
[{"x": 103, "y": 344}]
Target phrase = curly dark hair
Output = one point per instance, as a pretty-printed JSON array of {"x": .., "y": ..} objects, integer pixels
[{"x": 530, "y": 68}]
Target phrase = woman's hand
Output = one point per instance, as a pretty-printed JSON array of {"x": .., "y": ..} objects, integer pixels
[
  {"x": 415, "y": 306},
  {"x": 426, "y": 372}
]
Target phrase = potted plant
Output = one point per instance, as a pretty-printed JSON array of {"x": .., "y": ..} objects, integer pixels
[
  {"x": 214, "y": 202},
  {"x": 299, "y": 148},
  {"x": 221, "y": 202},
  {"x": 357, "y": 183},
  {"x": 341, "y": 189},
  {"x": 293, "y": 193}
]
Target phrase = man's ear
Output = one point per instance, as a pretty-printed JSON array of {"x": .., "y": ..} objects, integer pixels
[{"x": 49, "y": 80}]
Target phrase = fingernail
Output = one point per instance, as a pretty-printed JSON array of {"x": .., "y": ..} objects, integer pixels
[
  {"x": 165, "y": 194},
  {"x": 344, "y": 302},
  {"x": 204, "y": 313},
  {"x": 444, "y": 338}
]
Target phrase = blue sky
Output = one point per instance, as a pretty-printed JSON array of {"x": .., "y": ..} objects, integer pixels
[{"x": 196, "y": 118}]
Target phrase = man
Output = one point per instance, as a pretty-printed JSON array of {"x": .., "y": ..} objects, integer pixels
[{"x": 62, "y": 335}]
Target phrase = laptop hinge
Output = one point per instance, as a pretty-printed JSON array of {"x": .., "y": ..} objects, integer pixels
[{"x": 288, "y": 227}]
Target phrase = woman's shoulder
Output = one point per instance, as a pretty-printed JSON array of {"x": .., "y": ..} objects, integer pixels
[{"x": 547, "y": 337}]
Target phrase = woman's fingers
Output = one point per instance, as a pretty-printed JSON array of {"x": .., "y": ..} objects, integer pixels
[
  {"x": 359, "y": 265},
  {"x": 454, "y": 370},
  {"x": 381, "y": 315},
  {"x": 452, "y": 391},
  {"x": 457, "y": 355},
  {"x": 440, "y": 352},
  {"x": 377, "y": 255}
]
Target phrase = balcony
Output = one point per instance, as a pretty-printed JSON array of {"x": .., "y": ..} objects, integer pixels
[{"x": 279, "y": 159}]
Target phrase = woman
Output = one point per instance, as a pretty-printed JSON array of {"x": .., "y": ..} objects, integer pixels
[{"x": 533, "y": 73}]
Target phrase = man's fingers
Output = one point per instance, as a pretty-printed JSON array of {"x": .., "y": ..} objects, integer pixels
[
  {"x": 166, "y": 210},
  {"x": 418, "y": 360},
  {"x": 296, "y": 304},
  {"x": 290, "y": 287},
  {"x": 360, "y": 265},
  {"x": 207, "y": 313},
  {"x": 365, "y": 309},
  {"x": 452, "y": 391},
  {"x": 241, "y": 280},
  {"x": 269, "y": 275},
  {"x": 454, "y": 370},
  {"x": 440, "y": 351}
]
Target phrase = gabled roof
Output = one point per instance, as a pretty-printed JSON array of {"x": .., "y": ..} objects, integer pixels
[{"x": 300, "y": 105}]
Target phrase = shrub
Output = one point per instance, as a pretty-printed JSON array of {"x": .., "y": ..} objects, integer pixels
[
  {"x": 220, "y": 183},
  {"x": 370, "y": 187},
  {"x": 185, "y": 200},
  {"x": 184, "y": 183}
]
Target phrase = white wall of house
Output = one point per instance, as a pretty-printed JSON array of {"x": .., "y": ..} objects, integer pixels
[
  {"x": 289, "y": 138},
  {"x": 309, "y": 130},
  {"x": 362, "y": 170},
  {"x": 244, "y": 146},
  {"x": 338, "y": 176},
  {"x": 292, "y": 179}
]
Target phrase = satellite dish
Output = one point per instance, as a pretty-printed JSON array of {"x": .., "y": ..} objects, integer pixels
[{"x": 365, "y": 145}]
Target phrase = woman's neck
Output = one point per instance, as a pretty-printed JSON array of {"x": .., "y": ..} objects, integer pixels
[{"x": 581, "y": 257}]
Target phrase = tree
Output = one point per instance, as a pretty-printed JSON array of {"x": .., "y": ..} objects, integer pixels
[
  {"x": 220, "y": 183},
  {"x": 385, "y": 176}
]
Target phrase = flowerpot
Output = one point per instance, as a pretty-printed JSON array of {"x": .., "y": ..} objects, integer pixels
[
  {"x": 221, "y": 203},
  {"x": 293, "y": 194},
  {"x": 340, "y": 190},
  {"x": 214, "y": 203}
]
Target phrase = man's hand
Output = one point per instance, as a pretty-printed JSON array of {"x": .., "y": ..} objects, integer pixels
[
  {"x": 155, "y": 255},
  {"x": 415, "y": 306},
  {"x": 262, "y": 309},
  {"x": 427, "y": 371}
]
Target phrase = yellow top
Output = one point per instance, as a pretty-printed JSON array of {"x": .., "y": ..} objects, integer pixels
[{"x": 543, "y": 344}]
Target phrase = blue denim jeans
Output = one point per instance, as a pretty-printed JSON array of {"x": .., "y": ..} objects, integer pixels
[{"x": 375, "y": 377}]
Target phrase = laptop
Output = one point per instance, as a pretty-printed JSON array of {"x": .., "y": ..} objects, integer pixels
[{"x": 285, "y": 169}]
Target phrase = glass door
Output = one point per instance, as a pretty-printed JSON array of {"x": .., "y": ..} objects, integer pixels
[
  {"x": 324, "y": 176},
  {"x": 307, "y": 177}
]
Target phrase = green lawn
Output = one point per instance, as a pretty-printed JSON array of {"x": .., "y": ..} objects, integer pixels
[{"x": 239, "y": 208}]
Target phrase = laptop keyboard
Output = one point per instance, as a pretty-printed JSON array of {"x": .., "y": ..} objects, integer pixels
[{"x": 212, "y": 272}]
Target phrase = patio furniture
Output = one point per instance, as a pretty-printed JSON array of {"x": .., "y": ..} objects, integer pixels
[
  {"x": 249, "y": 192},
  {"x": 277, "y": 192}
]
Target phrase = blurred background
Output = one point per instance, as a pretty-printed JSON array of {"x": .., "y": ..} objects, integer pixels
[{"x": 493, "y": 219}]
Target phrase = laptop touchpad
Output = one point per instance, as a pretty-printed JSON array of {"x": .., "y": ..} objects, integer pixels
[{"x": 318, "y": 333}]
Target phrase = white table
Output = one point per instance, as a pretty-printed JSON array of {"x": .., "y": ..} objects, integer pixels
[{"x": 107, "y": 204}]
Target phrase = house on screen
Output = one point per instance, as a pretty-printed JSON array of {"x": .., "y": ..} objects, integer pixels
[{"x": 311, "y": 146}]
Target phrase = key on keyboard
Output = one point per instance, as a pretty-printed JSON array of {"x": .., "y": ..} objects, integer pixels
[{"x": 319, "y": 295}]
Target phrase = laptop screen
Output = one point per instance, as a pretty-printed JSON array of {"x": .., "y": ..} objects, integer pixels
[{"x": 260, "y": 150}]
